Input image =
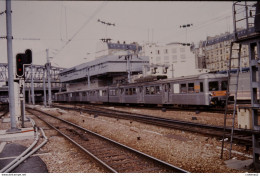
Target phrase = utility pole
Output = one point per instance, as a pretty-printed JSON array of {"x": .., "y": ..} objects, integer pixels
[
  {"x": 128, "y": 57},
  {"x": 48, "y": 64},
  {"x": 88, "y": 79},
  {"x": 32, "y": 86},
  {"x": 172, "y": 71},
  {"x": 23, "y": 103},
  {"x": 44, "y": 89},
  {"x": 11, "y": 91}
]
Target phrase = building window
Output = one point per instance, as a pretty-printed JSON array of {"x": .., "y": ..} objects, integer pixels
[
  {"x": 166, "y": 51},
  {"x": 158, "y": 52},
  {"x": 174, "y": 58},
  {"x": 183, "y": 57},
  {"x": 174, "y": 50},
  {"x": 166, "y": 59},
  {"x": 158, "y": 59},
  {"x": 182, "y": 50}
]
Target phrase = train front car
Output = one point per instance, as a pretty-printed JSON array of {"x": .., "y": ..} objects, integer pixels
[{"x": 217, "y": 89}]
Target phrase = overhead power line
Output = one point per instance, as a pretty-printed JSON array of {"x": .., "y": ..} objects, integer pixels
[{"x": 86, "y": 22}]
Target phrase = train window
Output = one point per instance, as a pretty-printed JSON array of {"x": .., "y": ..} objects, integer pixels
[
  {"x": 176, "y": 88},
  {"x": 213, "y": 85},
  {"x": 183, "y": 88},
  {"x": 201, "y": 87},
  {"x": 126, "y": 91},
  {"x": 190, "y": 87},
  {"x": 83, "y": 94},
  {"x": 134, "y": 91},
  {"x": 224, "y": 85},
  {"x": 157, "y": 89},
  {"x": 169, "y": 87},
  {"x": 140, "y": 89},
  {"x": 104, "y": 92},
  {"x": 152, "y": 91},
  {"x": 130, "y": 91},
  {"x": 147, "y": 91},
  {"x": 112, "y": 92}
]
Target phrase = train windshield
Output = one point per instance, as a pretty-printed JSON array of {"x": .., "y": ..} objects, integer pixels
[
  {"x": 213, "y": 86},
  {"x": 224, "y": 85}
]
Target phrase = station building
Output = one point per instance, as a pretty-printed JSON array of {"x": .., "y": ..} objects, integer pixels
[{"x": 113, "y": 64}]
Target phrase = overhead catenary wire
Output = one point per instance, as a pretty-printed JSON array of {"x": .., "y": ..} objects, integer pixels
[
  {"x": 85, "y": 23},
  {"x": 205, "y": 23}
]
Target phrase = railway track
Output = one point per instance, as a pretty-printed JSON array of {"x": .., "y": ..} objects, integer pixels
[
  {"x": 113, "y": 156},
  {"x": 168, "y": 108},
  {"x": 241, "y": 136}
]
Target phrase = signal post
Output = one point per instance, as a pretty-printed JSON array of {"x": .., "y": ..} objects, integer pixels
[{"x": 22, "y": 60}]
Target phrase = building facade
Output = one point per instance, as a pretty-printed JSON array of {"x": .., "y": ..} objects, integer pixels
[
  {"x": 214, "y": 53},
  {"x": 115, "y": 63},
  {"x": 173, "y": 59}
]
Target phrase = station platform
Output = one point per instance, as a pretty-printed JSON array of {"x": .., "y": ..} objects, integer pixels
[{"x": 10, "y": 148}]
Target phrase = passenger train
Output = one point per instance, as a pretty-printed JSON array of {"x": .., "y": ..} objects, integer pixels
[{"x": 200, "y": 90}]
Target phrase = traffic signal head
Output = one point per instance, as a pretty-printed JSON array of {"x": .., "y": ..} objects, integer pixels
[
  {"x": 21, "y": 61},
  {"x": 19, "y": 64},
  {"x": 28, "y": 57}
]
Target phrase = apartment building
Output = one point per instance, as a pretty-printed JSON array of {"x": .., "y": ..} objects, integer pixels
[{"x": 214, "y": 53}]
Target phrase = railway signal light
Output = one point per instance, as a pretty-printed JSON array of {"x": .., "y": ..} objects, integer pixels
[{"x": 21, "y": 61}]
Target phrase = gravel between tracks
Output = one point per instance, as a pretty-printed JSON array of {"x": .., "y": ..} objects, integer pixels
[{"x": 192, "y": 152}]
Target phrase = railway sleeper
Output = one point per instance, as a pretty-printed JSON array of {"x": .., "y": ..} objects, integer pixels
[
  {"x": 130, "y": 166},
  {"x": 101, "y": 149},
  {"x": 154, "y": 169},
  {"x": 116, "y": 159},
  {"x": 131, "y": 169},
  {"x": 105, "y": 151},
  {"x": 125, "y": 162},
  {"x": 109, "y": 155}
]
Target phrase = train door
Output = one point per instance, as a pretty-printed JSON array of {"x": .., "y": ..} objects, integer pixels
[
  {"x": 122, "y": 95},
  {"x": 140, "y": 95},
  {"x": 166, "y": 92}
]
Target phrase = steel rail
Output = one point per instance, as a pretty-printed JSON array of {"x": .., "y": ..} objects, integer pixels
[
  {"x": 124, "y": 115},
  {"x": 241, "y": 135},
  {"x": 107, "y": 139}
]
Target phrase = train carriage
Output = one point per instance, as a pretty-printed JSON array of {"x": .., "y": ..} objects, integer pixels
[{"x": 204, "y": 89}]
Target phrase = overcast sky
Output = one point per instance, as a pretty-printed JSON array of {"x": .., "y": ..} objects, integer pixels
[{"x": 70, "y": 29}]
